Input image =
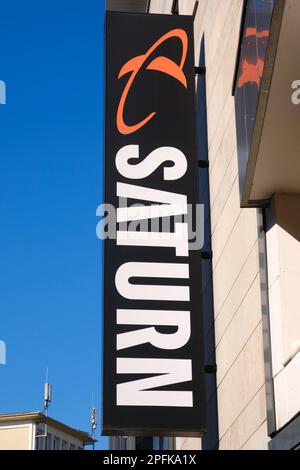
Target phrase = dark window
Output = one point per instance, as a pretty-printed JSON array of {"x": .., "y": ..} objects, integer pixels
[
  {"x": 254, "y": 35},
  {"x": 64, "y": 445},
  {"x": 40, "y": 441},
  {"x": 49, "y": 441},
  {"x": 144, "y": 443},
  {"x": 56, "y": 443}
]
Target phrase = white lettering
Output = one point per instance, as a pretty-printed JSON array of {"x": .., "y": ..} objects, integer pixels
[
  {"x": 179, "y": 319},
  {"x": 177, "y": 240},
  {"x": 147, "y": 166},
  {"x": 173, "y": 203},
  {"x": 152, "y": 292},
  {"x": 296, "y": 94},
  {"x": 137, "y": 393}
]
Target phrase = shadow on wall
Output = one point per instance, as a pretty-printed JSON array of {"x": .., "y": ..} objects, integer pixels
[
  {"x": 285, "y": 211},
  {"x": 211, "y": 439}
]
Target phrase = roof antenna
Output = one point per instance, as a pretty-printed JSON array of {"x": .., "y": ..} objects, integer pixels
[
  {"x": 47, "y": 401},
  {"x": 93, "y": 421},
  {"x": 47, "y": 394}
]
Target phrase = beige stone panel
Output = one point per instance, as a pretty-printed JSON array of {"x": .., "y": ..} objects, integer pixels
[
  {"x": 161, "y": 6},
  {"x": 198, "y": 23},
  {"x": 217, "y": 27},
  {"x": 248, "y": 274},
  {"x": 199, "y": 19},
  {"x": 14, "y": 438},
  {"x": 223, "y": 157},
  {"x": 239, "y": 330},
  {"x": 224, "y": 142},
  {"x": 205, "y": 21},
  {"x": 219, "y": 87},
  {"x": 188, "y": 443},
  {"x": 211, "y": 17},
  {"x": 215, "y": 112},
  {"x": 259, "y": 440},
  {"x": 186, "y": 7},
  {"x": 242, "y": 382},
  {"x": 215, "y": 138},
  {"x": 221, "y": 61},
  {"x": 223, "y": 191},
  {"x": 246, "y": 424},
  {"x": 234, "y": 256},
  {"x": 227, "y": 221}
]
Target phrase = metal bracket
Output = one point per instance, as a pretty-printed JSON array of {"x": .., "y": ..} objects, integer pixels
[
  {"x": 200, "y": 70},
  {"x": 211, "y": 369},
  {"x": 206, "y": 254},
  {"x": 203, "y": 163}
]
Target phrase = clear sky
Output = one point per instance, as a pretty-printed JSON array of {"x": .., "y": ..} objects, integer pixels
[{"x": 51, "y": 132}]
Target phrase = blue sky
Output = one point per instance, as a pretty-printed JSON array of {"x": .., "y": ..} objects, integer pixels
[{"x": 51, "y": 132}]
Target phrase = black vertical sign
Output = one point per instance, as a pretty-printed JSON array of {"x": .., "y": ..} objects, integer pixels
[{"x": 153, "y": 371}]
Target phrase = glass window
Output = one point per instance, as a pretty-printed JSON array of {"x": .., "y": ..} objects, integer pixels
[
  {"x": 64, "y": 445},
  {"x": 56, "y": 443},
  {"x": 250, "y": 67},
  {"x": 144, "y": 443},
  {"x": 39, "y": 441},
  {"x": 49, "y": 441}
]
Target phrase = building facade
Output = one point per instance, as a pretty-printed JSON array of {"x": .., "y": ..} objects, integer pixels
[
  {"x": 26, "y": 431},
  {"x": 247, "y": 85}
]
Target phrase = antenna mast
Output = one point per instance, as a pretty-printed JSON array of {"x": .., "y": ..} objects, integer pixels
[
  {"x": 47, "y": 401},
  {"x": 93, "y": 421}
]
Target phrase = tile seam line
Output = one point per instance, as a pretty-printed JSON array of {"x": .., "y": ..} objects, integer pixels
[
  {"x": 234, "y": 422},
  {"x": 238, "y": 308},
  {"x": 227, "y": 241},
  {"x": 213, "y": 161},
  {"x": 232, "y": 226},
  {"x": 213, "y": 202},
  {"x": 235, "y": 280},
  {"x": 241, "y": 350},
  {"x": 224, "y": 55},
  {"x": 261, "y": 424}
]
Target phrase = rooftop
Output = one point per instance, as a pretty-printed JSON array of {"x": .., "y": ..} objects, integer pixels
[{"x": 40, "y": 417}]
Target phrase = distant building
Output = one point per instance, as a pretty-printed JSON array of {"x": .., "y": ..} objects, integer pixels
[
  {"x": 21, "y": 431},
  {"x": 141, "y": 443}
]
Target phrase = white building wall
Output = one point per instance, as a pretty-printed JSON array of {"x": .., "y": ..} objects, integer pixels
[
  {"x": 237, "y": 301},
  {"x": 283, "y": 242}
]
